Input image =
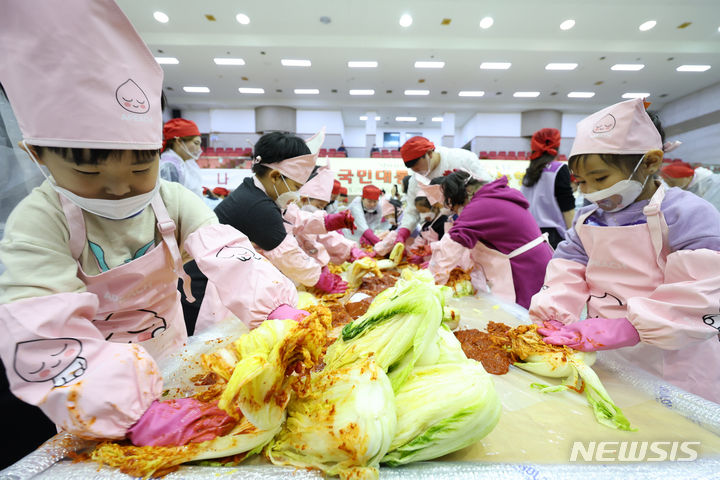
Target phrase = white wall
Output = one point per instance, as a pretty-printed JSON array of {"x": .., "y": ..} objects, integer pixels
[
  {"x": 232, "y": 120},
  {"x": 311, "y": 121},
  {"x": 691, "y": 106},
  {"x": 701, "y": 145},
  {"x": 200, "y": 117}
]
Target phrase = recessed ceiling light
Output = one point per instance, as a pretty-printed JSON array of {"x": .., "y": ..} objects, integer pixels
[
  {"x": 471, "y": 93},
  {"x": 581, "y": 94},
  {"x": 647, "y": 25},
  {"x": 405, "y": 119},
  {"x": 362, "y": 92},
  {"x": 561, "y": 66},
  {"x": 286, "y": 62},
  {"x": 161, "y": 17},
  {"x": 437, "y": 119},
  {"x": 242, "y": 19},
  {"x": 420, "y": 64},
  {"x": 360, "y": 64},
  {"x": 635, "y": 95},
  {"x": 627, "y": 67},
  {"x": 364, "y": 117},
  {"x": 229, "y": 61},
  {"x": 693, "y": 68},
  {"x": 255, "y": 91},
  {"x": 486, "y": 23},
  {"x": 417, "y": 92},
  {"x": 167, "y": 60},
  {"x": 495, "y": 65},
  {"x": 567, "y": 24},
  {"x": 197, "y": 89},
  {"x": 526, "y": 94},
  {"x": 406, "y": 20},
  {"x": 306, "y": 91}
]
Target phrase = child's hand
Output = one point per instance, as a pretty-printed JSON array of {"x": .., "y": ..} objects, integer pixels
[{"x": 592, "y": 334}]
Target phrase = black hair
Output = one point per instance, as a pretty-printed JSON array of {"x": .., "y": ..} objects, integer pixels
[
  {"x": 423, "y": 201},
  {"x": 412, "y": 163},
  {"x": 655, "y": 117},
  {"x": 405, "y": 183},
  {"x": 275, "y": 147},
  {"x": 454, "y": 185},
  {"x": 95, "y": 156},
  {"x": 535, "y": 169},
  {"x": 314, "y": 172}
]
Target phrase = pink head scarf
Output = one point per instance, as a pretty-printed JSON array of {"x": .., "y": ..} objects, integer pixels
[
  {"x": 78, "y": 75},
  {"x": 623, "y": 128},
  {"x": 320, "y": 186},
  {"x": 295, "y": 168},
  {"x": 433, "y": 193}
]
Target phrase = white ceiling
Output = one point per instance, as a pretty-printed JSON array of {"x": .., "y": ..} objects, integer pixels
[{"x": 525, "y": 32}]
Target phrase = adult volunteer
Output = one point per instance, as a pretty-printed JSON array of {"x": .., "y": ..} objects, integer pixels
[
  {"x": 423, "y": 157},
  {"x": 367, "y": 212},
  {"x": 181, "y": 149},
  {"x": 700, "y": 181}
]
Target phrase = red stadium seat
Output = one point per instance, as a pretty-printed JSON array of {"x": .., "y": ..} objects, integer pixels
[
  {"x": 375, "y": 155},
  {"x": 483, "y": 154},
  {"x": 562, "y": 158}
]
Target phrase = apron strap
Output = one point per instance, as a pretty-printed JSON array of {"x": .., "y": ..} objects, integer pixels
[
  {"x": 76, "y": 226},
  {"x": 528, "y": 246},
  {"x": 658, "y": 227},
  {"x": 166, "y": 226}
]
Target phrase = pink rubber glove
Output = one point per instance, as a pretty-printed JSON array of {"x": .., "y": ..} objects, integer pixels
[
  {"x": 330, "y": 283},
  {"x": 286, "y": 312},
  {"x": 356, "y": 253},
  {"x": 336, "y": 221},
  {"x": 592, "y": 334},
  {"x": 179, "y": 422},
  {"x": 369, "y": 238},
  {"x": 402, "y": 235}
]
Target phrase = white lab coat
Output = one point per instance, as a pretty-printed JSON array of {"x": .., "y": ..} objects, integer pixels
[{"x": 364, "y": 220}]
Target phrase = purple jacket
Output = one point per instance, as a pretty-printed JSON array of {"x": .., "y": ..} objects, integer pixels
[
  {"x": 498, "y": 216},
  {"x": 692, "y": 224}
]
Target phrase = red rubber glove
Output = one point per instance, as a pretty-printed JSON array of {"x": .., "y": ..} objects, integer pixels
[
  {"x": 369, "y": 238},
  {"x": 286, "y": 312},
  {"x": 402, "y": 235},
  {"x": 591, "y": 334},
  {"x": 179, "y": 422},
  {"x": 330, "y": 283},
  {"x": 336, "y": 221},
  {"x": 356, "y": 253}
]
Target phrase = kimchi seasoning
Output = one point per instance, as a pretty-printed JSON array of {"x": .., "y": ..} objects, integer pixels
[{"x": 492, "y": 348}]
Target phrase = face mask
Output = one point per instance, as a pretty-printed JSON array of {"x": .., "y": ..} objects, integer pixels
[
  {"x": 620, "y": 195},
  {"x": 283, "y": 199},
  {"x": 193, "y": 156},
  {"x": 309, "y": 208},
  {"x": 112, "y": 209}
]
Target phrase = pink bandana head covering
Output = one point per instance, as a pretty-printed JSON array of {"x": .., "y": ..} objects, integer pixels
[
  {"x": 623, "y": 128},
  {"x": 320, "y": 186},
  {"x": 433, "y": 193},
  {"x": 78, "y": 75},
  {"x": 387, "y": 208},
  {"x": 315, "y": 142},
  {"x": 295, "y": 168}
]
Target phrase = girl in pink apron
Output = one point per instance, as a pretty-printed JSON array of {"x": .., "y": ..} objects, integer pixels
[{"x": 643, "y": 259}]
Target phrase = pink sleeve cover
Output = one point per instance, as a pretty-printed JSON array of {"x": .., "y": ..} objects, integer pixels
[{"x": 563, "y": 294}]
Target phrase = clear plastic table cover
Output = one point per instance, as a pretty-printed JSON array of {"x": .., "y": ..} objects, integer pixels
[{"x": 532, "y": 440}]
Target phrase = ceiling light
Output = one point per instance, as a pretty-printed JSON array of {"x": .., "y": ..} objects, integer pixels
[
  {"x": 561, "y": 66},
  {"x": 363, "y": 117},
  {"x": 635, "y": 95},
  {"x": 471, "y": 93},
  {"x": 495, "y": 65},
  {"x": 437, "y": 119},
  {"x": 161, "y": 17},
  {"x": 353, "y": 64},
  {"x": 167, "y": 60},
  {"x": 229, "y": 61},
  {"x": 255, "y": 91},
  {"x": 486, "y": 23},
  {"x": 420, "y": 64},
  {"x": 417, "y": 92},
  {"x": 405, "y": 119},
  {"x": 627, "y": 67},
  {"x": 647, "y": 25},
  {"x": 526, "y": 94},
  {"x": 197, "y": 89},
  {"x": 306, "y": 91},
  {"x": 362, "y": 92},
  {"x": 567, "y": 24},
  {"x": 581, "y": 94},
  {"x": 242, "y": 19},
  {"x": 693, "y": 68},
  {"x": 295, "y": 63},
  {"x": 405, "y": 20}
]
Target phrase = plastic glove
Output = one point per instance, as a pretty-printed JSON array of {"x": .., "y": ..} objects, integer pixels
[
  {"x": 356, "y": 253},
  {"x": 402, "y": 235},
  {"x": 369, "y": 238},
  {"x": 330, "y": 283},
  {"x": 179, "y": 422},
  {"x": 336, "y": 221},
  {"x": 286, "y": 312},
  {"x": 592, "y": 334}
]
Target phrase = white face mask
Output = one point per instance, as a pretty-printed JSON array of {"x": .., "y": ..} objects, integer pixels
[
  {"x": 283, "y": 199},
  {"x": 112, "y": 209},
  {"x": 309, "y": 208},
  {"x": 620, "y": 195},
  {"x": 193, "y": 156}
]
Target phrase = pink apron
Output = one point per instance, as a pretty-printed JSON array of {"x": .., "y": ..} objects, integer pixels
[
  {"x": 629, "y": 261},
  {"x": 139, "y": 301}
]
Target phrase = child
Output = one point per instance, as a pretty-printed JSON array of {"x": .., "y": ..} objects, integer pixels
[
  {"x": 432, "y": 227},
  {"x": 643, "y": 259},
  {"x": 494, "y": 222},
  {"x": 88, "y": 301},
  {"x": 181, "y": 149}
]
